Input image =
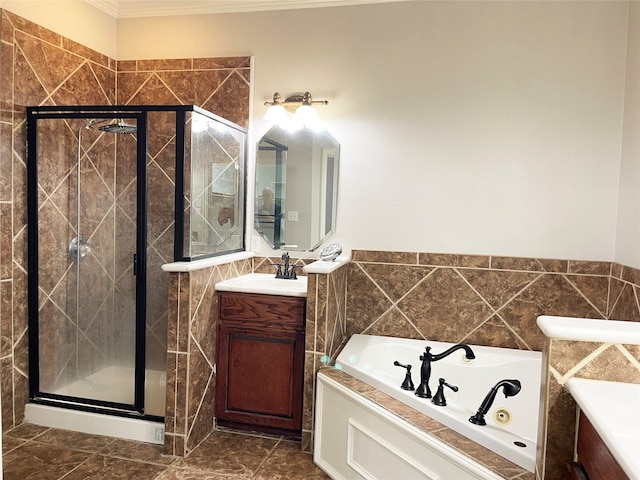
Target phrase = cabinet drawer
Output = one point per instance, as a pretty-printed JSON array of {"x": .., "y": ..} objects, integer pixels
[{"x": 264, "y": 310}]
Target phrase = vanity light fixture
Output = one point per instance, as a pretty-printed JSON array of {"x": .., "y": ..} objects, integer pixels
[{"x": 302, "y": 105}]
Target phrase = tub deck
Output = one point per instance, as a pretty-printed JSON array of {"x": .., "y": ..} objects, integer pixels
[{"x": 496, "y": 463}]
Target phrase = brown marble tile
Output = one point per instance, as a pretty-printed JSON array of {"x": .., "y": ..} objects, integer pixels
[
  {"x": 625, "y": 306},
  {"x": 229, "y": 454},
  {"x": 451, "y": 260},
  {"x": 174, "y": 473},
  {"x": 631, "y": 275},
  {"x": 393, "y": 324},
  {"x": 369, "y": 256},
  {"x": 287, "y": 462},
  {"x": 139, "y": 451},
  {"x": 590, "y": 267},
  {"x": 38, "y": 461},
  {"x": 611, "y": 365},
  {"x": 529, "y": 264},
  {"x": 99, "y": 467},
  {"x": 365, "y": 301},
  {"x": 74, "y": 440},
  {"x": 165, "y": 64},
  {"x": 560, "y": 433},
  {"x": 444, "y": 307},
  {"x": 567, "y": 354},
  {"x": 221, "y": 62},
  {"x": 26, "y": 431},
  {"x": 594, "y": 289},
  {"x": 10, "y": 443},
  {"x": 548, "y": 295},
  {"x": 6, "y": 326},
  {"x": 496, "y": 333},
  {"x": 395, "y": 280},
  {"x": 498, "y": 287}
]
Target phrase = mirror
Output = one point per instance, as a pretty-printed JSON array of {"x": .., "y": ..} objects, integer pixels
[{"x": 296, "y": 188}]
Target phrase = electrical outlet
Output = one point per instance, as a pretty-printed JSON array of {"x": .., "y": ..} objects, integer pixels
[
  {"x": 292, "y": 215},
  {"x": 255, "y": 244}
]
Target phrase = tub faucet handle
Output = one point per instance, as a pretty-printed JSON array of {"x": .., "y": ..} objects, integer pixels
[
  {"x": 438, "y": 398},
  {"x": 407, "y": 384}
]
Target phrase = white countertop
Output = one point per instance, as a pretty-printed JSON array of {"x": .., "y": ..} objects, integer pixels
[
  {"x": 590, "y": 330},
  {"x": 266, "y": 284},
  {"x": 324, "y": 267},
  {"x": 206, "y": 262},
  {"x": 613, "y": 408}
]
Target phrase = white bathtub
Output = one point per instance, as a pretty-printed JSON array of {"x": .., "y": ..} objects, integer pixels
[{"x": 371, "y": 359}]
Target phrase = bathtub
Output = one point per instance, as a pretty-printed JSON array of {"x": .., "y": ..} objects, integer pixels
[{"x": 512, "y": 423}]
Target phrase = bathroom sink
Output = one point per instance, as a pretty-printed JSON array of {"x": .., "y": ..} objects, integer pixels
[
  {"x": 613, "y": 408},
  {"x": 266, "y": 284}
]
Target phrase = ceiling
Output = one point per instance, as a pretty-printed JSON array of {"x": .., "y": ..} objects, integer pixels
[{"x": 156, "y": 8}]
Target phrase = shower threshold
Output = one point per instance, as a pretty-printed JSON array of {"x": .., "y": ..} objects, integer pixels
[{"x": 107, "y": 385}]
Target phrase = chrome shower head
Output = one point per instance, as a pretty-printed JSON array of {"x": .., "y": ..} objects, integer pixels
[{"x": 118, "y": 126}]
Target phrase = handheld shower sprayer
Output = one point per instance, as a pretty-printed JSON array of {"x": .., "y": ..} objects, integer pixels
[{"x": 510, "y": 388}]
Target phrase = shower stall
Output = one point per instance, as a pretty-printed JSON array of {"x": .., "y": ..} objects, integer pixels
[{"x": 113, "y": 194}]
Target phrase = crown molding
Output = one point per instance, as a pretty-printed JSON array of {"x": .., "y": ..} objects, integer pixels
[{"x": 152, "y": 8}]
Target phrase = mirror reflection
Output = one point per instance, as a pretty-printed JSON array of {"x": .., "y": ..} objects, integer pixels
[{"x": 296, "y": 188}]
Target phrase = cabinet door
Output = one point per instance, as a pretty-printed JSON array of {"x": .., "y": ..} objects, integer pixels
[{"x": 259, "y": 380}]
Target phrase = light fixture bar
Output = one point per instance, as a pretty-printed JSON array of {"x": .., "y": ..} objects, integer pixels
[{"x": 293, "y": 101}]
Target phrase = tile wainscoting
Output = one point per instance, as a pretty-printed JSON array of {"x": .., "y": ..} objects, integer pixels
[{"x": 488, "y": 300}]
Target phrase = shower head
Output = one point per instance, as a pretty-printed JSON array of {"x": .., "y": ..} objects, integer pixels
[{"x": 117, "y": 126}]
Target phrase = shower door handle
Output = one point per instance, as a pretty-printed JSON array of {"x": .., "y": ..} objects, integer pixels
[{"x": 135, "y": 263}]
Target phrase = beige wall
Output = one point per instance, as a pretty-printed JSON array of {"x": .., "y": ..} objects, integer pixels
[
  {"x": 466, "y": 127},
  {"x": 628, "y": 227}
]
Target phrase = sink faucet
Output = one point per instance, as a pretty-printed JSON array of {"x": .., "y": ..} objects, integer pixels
[
  {"x": 510, "y": 388},
  {"x": 288, "y": 272},
  {"x": 423, "y": 390}
]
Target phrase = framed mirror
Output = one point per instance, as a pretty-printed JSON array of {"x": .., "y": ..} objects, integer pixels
[{"x": 296, "y": 188}]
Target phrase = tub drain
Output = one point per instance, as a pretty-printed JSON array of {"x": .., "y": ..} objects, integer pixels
[{"x": 502, "y": 417}]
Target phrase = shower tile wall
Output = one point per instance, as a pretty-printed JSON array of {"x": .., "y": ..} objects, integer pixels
[{"x": 40, "y": 67}]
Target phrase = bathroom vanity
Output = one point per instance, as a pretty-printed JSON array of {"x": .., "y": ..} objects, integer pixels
[
  {"x": 607, "y": 437},
  {"x": 260, "y": 358}
]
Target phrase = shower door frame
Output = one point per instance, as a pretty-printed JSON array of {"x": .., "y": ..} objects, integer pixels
[{"x": 136, "y": 409}]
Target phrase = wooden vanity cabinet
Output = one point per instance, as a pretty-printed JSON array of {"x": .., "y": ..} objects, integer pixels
[
  {"x": 595, "y": 459},
  {"x": 260, "y": 362}
]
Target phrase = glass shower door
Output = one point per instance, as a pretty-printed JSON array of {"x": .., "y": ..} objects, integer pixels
[{"x": 87, "y": 242}]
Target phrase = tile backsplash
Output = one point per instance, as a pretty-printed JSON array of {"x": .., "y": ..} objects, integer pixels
[
  {"x": 483, "y": 300},
  {"x": 488, "y": 300}
]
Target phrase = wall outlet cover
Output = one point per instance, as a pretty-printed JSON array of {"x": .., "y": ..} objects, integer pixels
[{"x": 255, "y": 244}]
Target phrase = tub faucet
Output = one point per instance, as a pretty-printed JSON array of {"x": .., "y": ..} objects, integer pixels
[
  {"x": 423, "y": 390},
  {"x": 510, "y": 388}
]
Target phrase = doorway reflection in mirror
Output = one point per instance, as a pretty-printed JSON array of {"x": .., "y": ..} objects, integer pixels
[{"x": 269, "y": 216}]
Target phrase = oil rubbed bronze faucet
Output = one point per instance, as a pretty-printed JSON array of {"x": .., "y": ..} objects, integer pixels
[
  {"x": 285, "y": 270},
  {"x": 423, "y": 390},
  {"x": 510, "y": 388}
]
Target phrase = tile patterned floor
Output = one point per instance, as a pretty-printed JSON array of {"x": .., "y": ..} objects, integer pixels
[{"x": 31, "y": 452}]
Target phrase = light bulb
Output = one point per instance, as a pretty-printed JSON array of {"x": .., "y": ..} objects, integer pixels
[{"x": 276, "y": 114}]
